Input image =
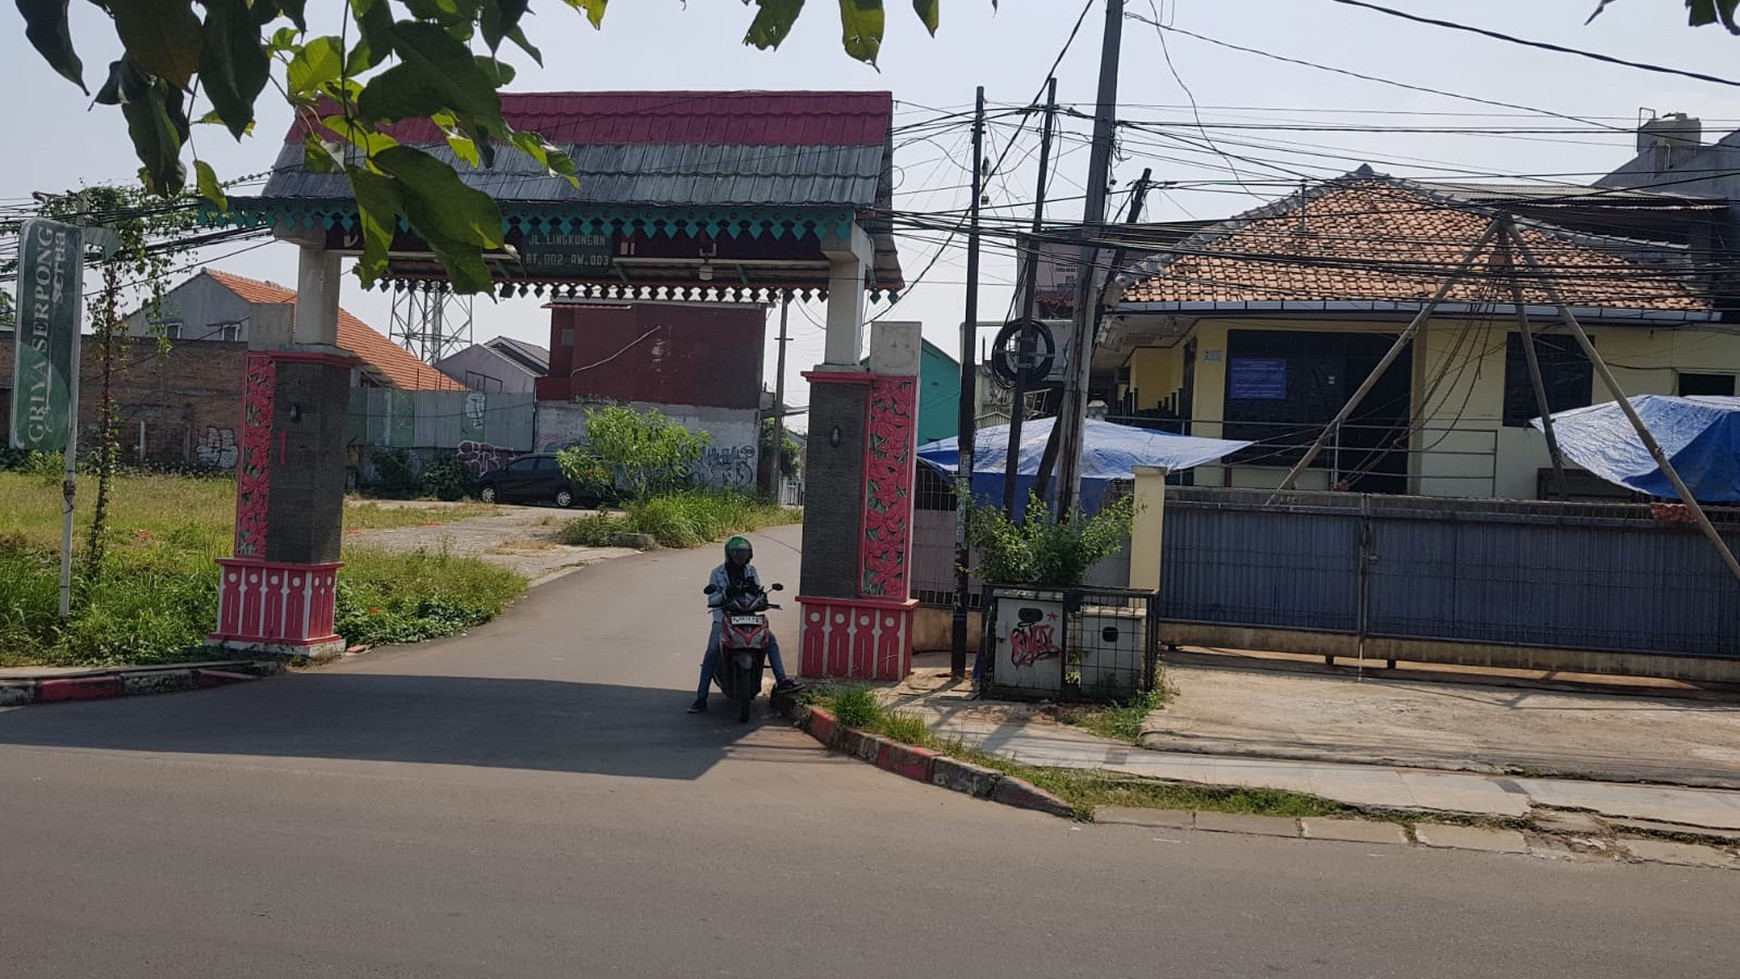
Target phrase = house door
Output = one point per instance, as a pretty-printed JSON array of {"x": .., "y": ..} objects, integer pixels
[{"x": 1284, "y": 386}]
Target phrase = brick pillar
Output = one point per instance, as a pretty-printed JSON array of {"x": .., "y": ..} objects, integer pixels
[
  {"x": 277, "y": 594},
  {"x": 857, "y": 613}
]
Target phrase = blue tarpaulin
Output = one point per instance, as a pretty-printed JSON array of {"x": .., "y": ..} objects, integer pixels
[
  {"x": 1110, "y": 452},
  {"x": 1700, "y": 436}
]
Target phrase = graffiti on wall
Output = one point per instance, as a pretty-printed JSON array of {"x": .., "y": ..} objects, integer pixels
[
  {"x": 217, "y": 448},
  {"x": 727, "y": 465},
  {"x": 481, "y": 457}
]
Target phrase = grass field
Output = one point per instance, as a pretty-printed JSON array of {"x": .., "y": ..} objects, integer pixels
[{"x": 156, "y": 596}]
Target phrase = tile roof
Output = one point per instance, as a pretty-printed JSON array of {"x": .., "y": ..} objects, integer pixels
[
  {"x": 387, "y": 359},
  {"x": 1366, "y": 237},
  {"x": 663, "y": 149}
]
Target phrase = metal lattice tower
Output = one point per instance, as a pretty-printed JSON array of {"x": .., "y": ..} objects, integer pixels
[{"x": 430, "y": 320}]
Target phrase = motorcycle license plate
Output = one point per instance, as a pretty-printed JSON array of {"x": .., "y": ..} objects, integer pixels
[{"x": 746, "y": 620}]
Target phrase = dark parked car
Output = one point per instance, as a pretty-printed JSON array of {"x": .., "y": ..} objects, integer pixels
[{"x": 534, "y": 478}]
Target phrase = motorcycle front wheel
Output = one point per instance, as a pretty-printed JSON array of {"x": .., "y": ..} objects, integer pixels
[{"x": 745, "y": 692}]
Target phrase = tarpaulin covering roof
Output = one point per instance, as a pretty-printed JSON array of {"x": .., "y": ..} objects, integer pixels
[
  {"x": 1110, "y": 452},
  {"x": 1700, "y": 435}
]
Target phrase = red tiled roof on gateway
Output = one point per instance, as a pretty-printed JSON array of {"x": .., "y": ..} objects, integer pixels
[{"x": 394, "y": 362}]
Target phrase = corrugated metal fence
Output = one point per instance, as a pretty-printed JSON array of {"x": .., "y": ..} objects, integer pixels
[
  {"x": 1598, "y": 577},
  {"x": 441, "y": 419}
]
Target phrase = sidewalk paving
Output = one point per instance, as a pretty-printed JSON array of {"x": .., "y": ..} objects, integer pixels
[{"x": 1021, "y": 733}]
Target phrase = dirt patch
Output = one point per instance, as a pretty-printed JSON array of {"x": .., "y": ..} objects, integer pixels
[
  {"x": 1633, "y": 736},
  {"x": 520, "y": 539}
]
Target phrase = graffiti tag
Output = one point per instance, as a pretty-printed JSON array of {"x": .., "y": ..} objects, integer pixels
[
  {"x": 481, "y": 457},
  {"x": 727, "y": 465},
  {"x": 218, "y": 448},
  {"x": 1031, "y": 642}
]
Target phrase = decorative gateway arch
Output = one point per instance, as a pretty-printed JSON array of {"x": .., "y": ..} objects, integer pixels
[{"x": 730, "y": 197}]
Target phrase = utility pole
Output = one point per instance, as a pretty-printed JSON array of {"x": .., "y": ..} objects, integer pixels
[
  {"x": 1534, "y": 360},
  {"x": 1074, "y": 408},
  {"x": 969, "y": 376},
  {"x": 1029, "y": 299},
  {"x": 779, "y": 399}
]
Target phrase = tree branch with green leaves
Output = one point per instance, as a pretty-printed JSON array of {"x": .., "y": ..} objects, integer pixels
[{"x": 394, "y": 60}]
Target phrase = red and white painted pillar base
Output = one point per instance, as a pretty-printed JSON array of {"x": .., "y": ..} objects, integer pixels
[
  {"x": 277, "y": 608},
  {"x": 867, "y": 639}
]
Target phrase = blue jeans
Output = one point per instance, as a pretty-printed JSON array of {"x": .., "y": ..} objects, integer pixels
[{"x": 711, "y": 660}]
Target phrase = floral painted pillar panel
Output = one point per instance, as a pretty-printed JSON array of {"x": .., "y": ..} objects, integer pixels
[{"x": 889, "y": 457}]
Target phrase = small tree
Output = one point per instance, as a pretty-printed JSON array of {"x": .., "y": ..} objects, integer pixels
[
  {"x": 636, "y": 452},
  {"x": 1045, "y": 552},
  {"x": 790, "y": 453}
]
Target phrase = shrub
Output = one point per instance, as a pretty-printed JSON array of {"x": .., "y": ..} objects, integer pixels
[
  {"x": 446, "y": 478},
  {"x": 855, "y": 707},
  {"x": 1043, "y": 551},
  {"x": 639, "y": 451},
  {"x": 402, "y": 598},
  {"x": 395, "y": 473},
  {"x": 593, "y": 530}
]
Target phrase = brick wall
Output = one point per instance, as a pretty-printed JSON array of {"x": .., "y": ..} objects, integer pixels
[{"x": 188, "y": 399}]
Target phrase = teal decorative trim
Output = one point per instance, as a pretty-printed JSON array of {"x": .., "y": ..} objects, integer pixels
[{"x": 672, "y": 222}]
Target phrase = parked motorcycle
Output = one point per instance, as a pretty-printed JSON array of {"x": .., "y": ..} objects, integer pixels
[{"x": 743, "y": 640}]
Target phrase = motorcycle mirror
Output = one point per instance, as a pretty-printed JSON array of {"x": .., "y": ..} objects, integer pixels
[
  {"x": 778, "y": 587},
  {"x": 710, "y": 589}
]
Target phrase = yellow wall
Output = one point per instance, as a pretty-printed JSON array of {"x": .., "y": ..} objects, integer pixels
[
  {"x": 1463, "y": 448},
  {"x": 1156, "y": 373}
]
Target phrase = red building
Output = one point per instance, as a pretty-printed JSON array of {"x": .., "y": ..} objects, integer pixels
[{"x": 701, "y": 355}]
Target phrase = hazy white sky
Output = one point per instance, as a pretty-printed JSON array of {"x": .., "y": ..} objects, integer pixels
[{"x": 666, "y": 44}]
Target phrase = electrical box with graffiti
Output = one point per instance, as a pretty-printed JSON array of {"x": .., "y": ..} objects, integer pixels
[{"x": 1097, "y": 645}]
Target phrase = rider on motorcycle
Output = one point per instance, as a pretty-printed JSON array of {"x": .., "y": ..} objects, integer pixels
[{"x": 736, "y": 576}]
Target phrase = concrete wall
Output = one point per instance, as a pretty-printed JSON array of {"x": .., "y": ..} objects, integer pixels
[
  {"x": 728, "y": 461},
  {"x": 202, "y": 305},
  {"x": 490, "y": 371},
  {"x": 1464, "y": 449}
]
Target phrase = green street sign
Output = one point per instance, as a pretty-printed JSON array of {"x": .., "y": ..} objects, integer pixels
[{"x": 46, "y": 338}]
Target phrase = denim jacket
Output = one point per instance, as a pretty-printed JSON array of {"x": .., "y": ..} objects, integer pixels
[{"x": 720, "y": 580}]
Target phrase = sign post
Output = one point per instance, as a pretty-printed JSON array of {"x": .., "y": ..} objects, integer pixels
[{"x": 45, "y": 389}]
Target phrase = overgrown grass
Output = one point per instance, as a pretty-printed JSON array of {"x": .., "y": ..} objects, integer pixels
[
  {"x": 155, "y": 598},
  {"x": 1120, "y": 722},
  {"x": 687, "y": 519},
  {"x": 856, "y": 706}
]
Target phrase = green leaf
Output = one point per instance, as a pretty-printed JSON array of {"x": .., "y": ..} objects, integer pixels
[
  {"x": 374, "y": 21},
  {"x": 293, "y": 9},
  {"x": 554, "y": 161},
  {"x": 46, "y": 27},
  {"x": 283, "y": 40},
  {"x": 773, "y": 20},
  {"x": 457, "y": 221},
  {"x": 447, "y": 13},
  {"x": 499, "y": 18},
  {"x": 378, "y": 205},
  {"x": 435, "y": 72},
  {"x": 209, "y": 188},
  {"x": 319, "y": 156},
  {"x": 928, "y": 13},
  {"x": 157, "y": 123},
  {"x": 518, "y": 36},
  {"x": 500, "y": 72},
  {"x": 162, "y": 37},
  {"x": 232, "y": 64},
  {"x": 315, "y": 65},
  {"x": 594, "y": 9},
  {"x": 463, "y": 146},
  {"x": 861, "y": 23}
]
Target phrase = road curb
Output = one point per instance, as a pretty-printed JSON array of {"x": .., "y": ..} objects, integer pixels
[
  {"x": 927, "y": 766},
  {"x": 132, "y": 681}
]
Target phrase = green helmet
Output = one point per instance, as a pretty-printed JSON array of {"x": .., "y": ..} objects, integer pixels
[{"x": 738, "y": 551}]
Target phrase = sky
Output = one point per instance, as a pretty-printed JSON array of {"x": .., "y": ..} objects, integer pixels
[{"x": 1223, "y": 130}]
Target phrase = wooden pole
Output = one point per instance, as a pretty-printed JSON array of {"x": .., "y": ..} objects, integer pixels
[
  {"x": 1643, "y": 433},
  {"x": 965, "y": 426},
  {"x": 1029, "y": 299},
  {"x": 1534, "y": 360}
]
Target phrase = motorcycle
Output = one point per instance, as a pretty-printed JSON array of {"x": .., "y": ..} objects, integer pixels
[{"x": 743, "y": 640}]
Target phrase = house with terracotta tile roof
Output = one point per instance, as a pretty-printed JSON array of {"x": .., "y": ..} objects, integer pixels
[
  {"x": 216, "y": 305},
  {"x": 1261, "y": 327}
]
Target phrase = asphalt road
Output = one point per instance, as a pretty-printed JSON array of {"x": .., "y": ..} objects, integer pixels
[{"x": 531, "y": 800}]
